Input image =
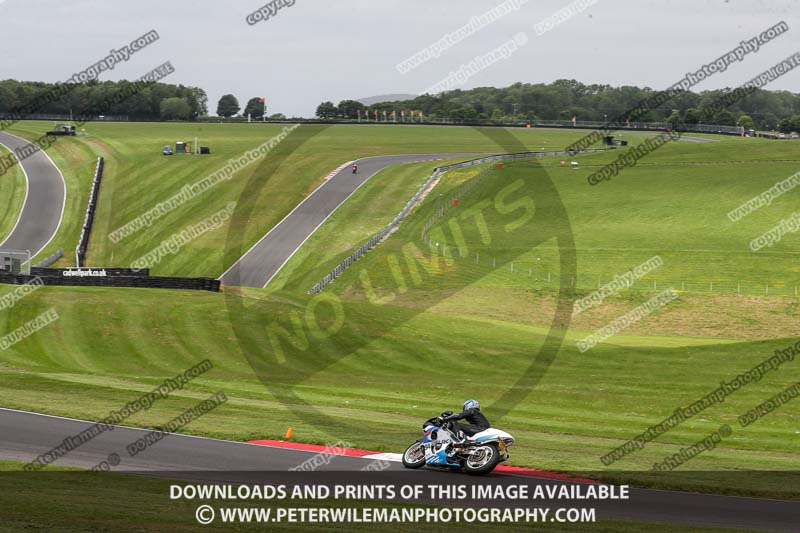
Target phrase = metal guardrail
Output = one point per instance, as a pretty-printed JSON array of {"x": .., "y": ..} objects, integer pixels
[
  {"x": 518, "y": 123},
  {"x": 47, "y": 261},
  {"x": 83, "y": 242},
  {"x": 378, "y": 237},
  {"x": 646, "y": 126},
  {"x": 579, "y": 124},
  {"x": 62, "y": 117}
]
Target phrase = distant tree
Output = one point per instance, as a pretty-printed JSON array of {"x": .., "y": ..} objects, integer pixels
[
  {"x": 746, "y": 121},
  {"x": 327, "y": 110},
  {"x": 464, "y": 113},
  {"x": 769, "y": 121},
  {"x": 198, "y": 100},
  {"x": 350, "y": 108},
  {"x": 789, "y": 124},
  {"x": 175, "y": 109},
  {"x": 692, "y": 116},
  {"x": 227, "y": 106},
  {"x": 641, "y": 115},
  {"x": 674, "y": 118},
  {"x": 724, "y": 118},
  {"x": 254, "y": 108}
]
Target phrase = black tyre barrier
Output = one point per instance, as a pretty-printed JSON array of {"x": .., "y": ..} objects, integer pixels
[
  {"x": 142, "y": 282},
  {"x": 74, "y": 272},
  {"x": 83, "y": 242}
]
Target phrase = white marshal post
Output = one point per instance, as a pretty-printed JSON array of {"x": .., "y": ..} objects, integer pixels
[{"x": 16, "y": 261}]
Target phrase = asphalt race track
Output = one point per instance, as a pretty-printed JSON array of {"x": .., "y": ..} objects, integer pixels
[
  {"x": 44, "y": 202},
  {"x": 258, "y": 266},
  {"x": 27, "y": 435}
]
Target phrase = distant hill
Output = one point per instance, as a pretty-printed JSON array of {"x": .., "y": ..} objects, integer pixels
[{"x": 371, "y": 100}]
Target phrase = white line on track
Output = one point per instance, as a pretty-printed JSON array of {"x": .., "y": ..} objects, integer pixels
[{"x": 395, "y": 457}]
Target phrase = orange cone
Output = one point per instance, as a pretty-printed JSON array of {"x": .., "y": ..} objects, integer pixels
[{"x": 289, "y": 434}]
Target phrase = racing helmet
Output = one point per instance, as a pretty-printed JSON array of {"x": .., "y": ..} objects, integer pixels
[{"x": 472, "y": 404}]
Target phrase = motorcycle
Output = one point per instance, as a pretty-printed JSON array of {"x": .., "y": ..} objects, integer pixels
[{"x": 477, "y": 455}]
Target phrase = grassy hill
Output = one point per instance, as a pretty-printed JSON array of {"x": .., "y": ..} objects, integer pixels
[
  {"x": 138, "y": 177},
  {"x": 414, "y": 328}
]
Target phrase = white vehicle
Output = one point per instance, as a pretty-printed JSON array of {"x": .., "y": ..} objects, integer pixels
[{"x": 477, "y": 455}]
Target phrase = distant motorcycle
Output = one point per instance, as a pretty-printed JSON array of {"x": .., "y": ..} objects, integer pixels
[
  {"x": 477, "y": 455},
  {"x": 355, "y": 169}
]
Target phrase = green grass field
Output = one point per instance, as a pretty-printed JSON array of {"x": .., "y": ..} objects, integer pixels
[
  {"x": 403, "y": 346},
  {"x": 12, "y": 192}
]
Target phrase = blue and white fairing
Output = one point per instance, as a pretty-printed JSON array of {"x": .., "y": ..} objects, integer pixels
[
  {"x": 493, "y": 435},
  {"x": 435, "y": 440}
]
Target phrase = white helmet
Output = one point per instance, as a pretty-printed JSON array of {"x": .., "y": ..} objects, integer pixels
[{"x": 472, "y": 404}]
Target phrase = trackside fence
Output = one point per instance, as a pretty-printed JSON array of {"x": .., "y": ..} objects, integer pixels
[
  {"x": 138, "y": 281},
  {"x": 438, "y": 171},
  {"x": 47, "y": 261},
  {"x": 75, "y": 272},
  {"x": 429, "y": 121},
  {"x": 83, "y": 242}
]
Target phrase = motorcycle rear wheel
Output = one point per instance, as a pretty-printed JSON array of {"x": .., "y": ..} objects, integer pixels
[
  {"x": 482, "y": 460},
  {"x": 414, "y": 456}
]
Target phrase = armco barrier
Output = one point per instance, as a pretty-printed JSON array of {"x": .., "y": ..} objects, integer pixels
[
  {"x": 427, "y": 121},
  {"x": 83, "y": 242},
  {"x": 47, "y": 261},
  {"x": 377, "y": 238},
  {"x": 142, "y": 282}
]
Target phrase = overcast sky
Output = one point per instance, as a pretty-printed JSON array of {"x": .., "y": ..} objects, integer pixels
[{"x": 314, "y": 50}]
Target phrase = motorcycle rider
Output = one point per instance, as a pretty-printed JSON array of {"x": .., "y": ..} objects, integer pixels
[
  {"x": 472, "y": 413},
  {"x": 355, "y": 169}
]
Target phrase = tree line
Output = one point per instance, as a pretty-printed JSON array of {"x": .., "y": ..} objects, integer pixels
[
  {"x": 156, "y": 101},
  {"x": 565, "y": 99},
  {"x": 560, "y": 100}
]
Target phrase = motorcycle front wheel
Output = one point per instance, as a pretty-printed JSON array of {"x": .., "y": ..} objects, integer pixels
[
  {"x": 482, "y": 460},
  {"x": 414, "y": 456}
]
